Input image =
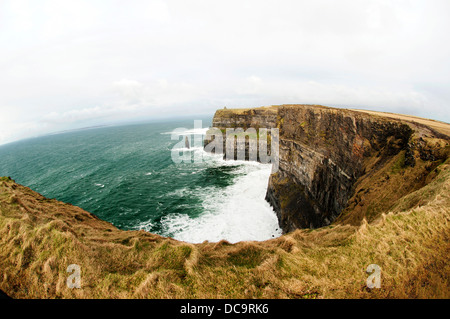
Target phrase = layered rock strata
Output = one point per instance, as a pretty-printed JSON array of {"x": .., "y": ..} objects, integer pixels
[{"x": 324, "y": 153}]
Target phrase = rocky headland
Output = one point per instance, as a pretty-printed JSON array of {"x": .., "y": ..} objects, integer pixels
[
  {"x": 353, "y": 188},
  {"x": 335, "y": 163}
]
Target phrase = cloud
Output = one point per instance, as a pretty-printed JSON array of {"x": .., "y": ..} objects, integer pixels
[
  {"x": 77, "y": 62},
  {"x": 14, "y": 125},
  {"x": 77, "y": 115},
  {"x": 133, "y": 98},
  {"x": 131, "y": 90},
  {"x": 252, "y": 85},
  {"x": 156, "y": 93},
  {"x": 314, "y": 92}
]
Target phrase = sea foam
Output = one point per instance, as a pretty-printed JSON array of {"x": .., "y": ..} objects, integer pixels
[{"x": 238, "y": 212}]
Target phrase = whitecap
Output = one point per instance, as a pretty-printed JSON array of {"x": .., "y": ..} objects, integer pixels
[
  {"x": 185, "y": 149},
  {"x": 194, "y": 131},
  {"x": 146, "y": 225},
  {"x": 235, "y": 213}
]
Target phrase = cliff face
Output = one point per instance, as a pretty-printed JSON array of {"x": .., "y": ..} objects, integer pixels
[
  {"x": 326, "y": 154},
  {"x": 41, "y": 237},
  {"x": 329, "y": 159},
  {"x": 263, "y": 117}
]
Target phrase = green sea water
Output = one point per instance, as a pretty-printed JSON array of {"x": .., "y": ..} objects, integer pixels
[{"x": 125, "y": 175}]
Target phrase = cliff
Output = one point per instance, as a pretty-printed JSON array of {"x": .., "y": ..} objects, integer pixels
[
  {"x": 399, "y": 182},
  {"x": 341, "y": 163}
]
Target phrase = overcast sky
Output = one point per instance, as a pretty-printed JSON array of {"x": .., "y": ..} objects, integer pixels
[{"x": 71, "y": 64}]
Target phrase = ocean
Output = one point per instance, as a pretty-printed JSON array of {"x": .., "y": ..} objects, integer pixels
[{"x": 125, "y": 175}]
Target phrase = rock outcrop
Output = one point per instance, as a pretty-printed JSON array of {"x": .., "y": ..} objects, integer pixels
[
  {"x": 362, "y": 160},
  {"x": 263, "y": 117},
  {"x": 325, "y": 154}
]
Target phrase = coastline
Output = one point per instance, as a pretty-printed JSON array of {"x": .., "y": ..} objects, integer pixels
[{"x": 408, "y": 229}]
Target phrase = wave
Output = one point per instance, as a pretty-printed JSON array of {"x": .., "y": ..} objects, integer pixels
[
  {"x": 146, "y": 225},
  {"x": 196, "y": 131},
  {"x": 235, "y": 213},
  {"x": 191, "y": 149}
]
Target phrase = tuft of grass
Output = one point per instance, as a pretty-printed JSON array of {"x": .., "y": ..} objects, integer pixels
[
  {"x": 408, "y": 240},
  {"x": 399, "y": 164},
  {"x": 248, "y": 257}
]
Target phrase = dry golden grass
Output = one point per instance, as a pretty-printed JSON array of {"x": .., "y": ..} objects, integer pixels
[
  {"x": 439, "y": 126},
  {"x": 398, "y": 219},
  {"x": 41, "y": 237},
  {"x": 380, "y": 189},
  {"x": 239, "y": 111}
]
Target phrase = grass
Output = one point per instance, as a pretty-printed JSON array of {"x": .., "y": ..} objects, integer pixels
[
  {"x": 438, "y": 126},
  {"x": 398, "y": 219},
  {"x": 399, "y": 164},
  {"x": 409, "y": 243},
  {"x": 240, "y": 111}
]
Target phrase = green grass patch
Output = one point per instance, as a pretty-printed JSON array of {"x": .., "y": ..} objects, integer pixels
[
  {"x": 248, "y": 257},
  {"x": 399, "y": 164}
]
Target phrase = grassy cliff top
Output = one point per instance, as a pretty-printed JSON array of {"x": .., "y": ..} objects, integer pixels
[
  {"x": 239, "y": 111},
  {"x": 441, "y": 127},
  {"x": 41, "y": 237}
]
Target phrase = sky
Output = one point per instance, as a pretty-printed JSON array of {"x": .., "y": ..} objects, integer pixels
[{"x": 71, "y": 64}]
